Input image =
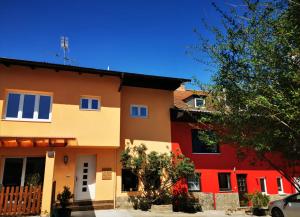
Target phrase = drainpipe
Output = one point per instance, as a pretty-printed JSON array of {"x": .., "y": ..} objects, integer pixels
[
  {"x": 115, "y": 181},
  {"x": 215, "y": 204}
]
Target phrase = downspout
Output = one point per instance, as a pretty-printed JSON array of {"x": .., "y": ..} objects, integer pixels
[{"x": 115, "y": 181}]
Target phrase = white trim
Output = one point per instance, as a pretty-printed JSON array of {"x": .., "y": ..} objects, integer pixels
[
  {"x": 281, "y": 185},
  {"x": 21, "y": 105},
  {"x": 195, "y": 102},
  {"x": 23, "y": 171},
  {"x": 139, "y": 111},
  {"x": 90, "y": 99},
  {"x": 265, "y": 185}
]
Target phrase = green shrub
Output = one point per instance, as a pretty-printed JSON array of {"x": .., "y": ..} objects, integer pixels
[
  {"x": 258, "y": 199},
  {"x": 64, "y": 197}
]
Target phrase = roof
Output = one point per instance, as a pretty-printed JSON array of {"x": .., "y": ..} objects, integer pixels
[
  {"x": 127, "y": 78},
  {"x": 181, "y": 95}
]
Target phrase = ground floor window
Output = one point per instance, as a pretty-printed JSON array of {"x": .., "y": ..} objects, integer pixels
[
  {"x": 279, "y": 185},
  {"x": 263, "y": 185},
  {"x": 129, "y": 180},
  {"x": 224, "y": 181},
  {"x": 23, "y": 171},
  {"x": 194, "y": 182}
]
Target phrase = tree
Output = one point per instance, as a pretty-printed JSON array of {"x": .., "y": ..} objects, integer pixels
[
  {"x": 157, "y": 173},
  {"x": 257, "y": 81}
]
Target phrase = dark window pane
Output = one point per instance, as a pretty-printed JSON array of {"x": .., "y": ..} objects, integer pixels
[
  {"x": 85, "y": 164},
  {"x": 85, "y": 170},
  {"x": 84, "y": 183},
  {"x": 28, "y": 106},
  {"x": 12, "y": 172},
  {"x": 35, "y": 168},
  {"x": 95, "y": 104},
  {"x": 84, "y": 177},
  {"x": 129, "y": 181},
  {"x": 262, "y": 185},
  {"x": 194, "y": 182},
  {"x": 84, "y": 103},
  {"x": 224, "y": 181},
  {"x": 204, "y": 141},
  {"x": 44, "y": 107},
  {"x": 279, "y": 184},
  {"x": 134, "y": 111},
  {"x": 143, "y": 111},
  {"x": 199, "y": 102},
  {"x": 84, "y": 189},
  {"x": 13, "y": 105}
]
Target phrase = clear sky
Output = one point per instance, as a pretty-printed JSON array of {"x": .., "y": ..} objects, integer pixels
[{"x": 142, "y": 36}]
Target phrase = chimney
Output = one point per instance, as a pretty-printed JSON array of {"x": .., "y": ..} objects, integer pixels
[{"x": 181, "y": 88}]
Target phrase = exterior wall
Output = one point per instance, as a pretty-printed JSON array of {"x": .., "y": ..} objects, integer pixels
[
  {"x": 153, "y": 131},
  {"x": 64, "y": 175},
  {"x": 209, "y": 165},
  {"x": 90, "y": 128}
]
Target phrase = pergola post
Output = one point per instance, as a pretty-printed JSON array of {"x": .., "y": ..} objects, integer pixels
[{"x": 48, "y": 180}]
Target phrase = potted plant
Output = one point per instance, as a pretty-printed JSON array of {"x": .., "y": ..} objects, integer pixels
[
  {"x": 64, "y": 200},
  {"x": 259, "y": 203}
]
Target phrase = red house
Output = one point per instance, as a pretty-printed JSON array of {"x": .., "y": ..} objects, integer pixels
[{"x": 223, "y": 177}]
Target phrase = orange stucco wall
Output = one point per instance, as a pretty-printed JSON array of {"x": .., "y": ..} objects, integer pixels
[
  {"x": 153, "y": 131},
  {"x": 90, "y": 128}
]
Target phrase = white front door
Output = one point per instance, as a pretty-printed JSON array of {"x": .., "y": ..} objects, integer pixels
[{"x": 85, "y": 178}]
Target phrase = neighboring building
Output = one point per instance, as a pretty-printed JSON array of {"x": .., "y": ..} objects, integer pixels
[
  {"x": 66, "y": 126},
  {"x": 223, "y": 178}
]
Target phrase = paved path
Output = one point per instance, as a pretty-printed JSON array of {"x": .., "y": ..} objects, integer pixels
[{"x": 138, "y": 213}]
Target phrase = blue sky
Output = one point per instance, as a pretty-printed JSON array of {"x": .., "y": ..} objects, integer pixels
[{"x": 142, "y": 36}]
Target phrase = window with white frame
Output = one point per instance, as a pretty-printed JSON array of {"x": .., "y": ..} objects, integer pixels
[
  {"x": 28, "y": 106},
  {"x": 263, "y": 185},
  {"x": 138, "y": 111},
  {"x": 193, "y": 182},
  {"x": 279, "y": 185},
  {"x": 224, "y": 181},
  {"x": 88, "y": 103},
  {"x": 199, "y": 102}
]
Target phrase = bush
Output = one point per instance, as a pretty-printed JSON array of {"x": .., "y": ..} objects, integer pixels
[
  {"x": 64, "y": 197},
  {"x": 186, "y": 203},
  {"x": 259, "y": 200}
]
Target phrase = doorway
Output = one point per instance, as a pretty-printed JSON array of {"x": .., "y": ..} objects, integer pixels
[{"x": 242, "y": 189}]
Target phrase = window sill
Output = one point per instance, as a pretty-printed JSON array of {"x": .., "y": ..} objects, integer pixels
[
  {"x": 207, "y": 153},
  {"x": 226, "y": 191},
  {"x": 26, "y": 120},
  {"x": 89, "y": 109},
  {"x": 194, "y": 190}
]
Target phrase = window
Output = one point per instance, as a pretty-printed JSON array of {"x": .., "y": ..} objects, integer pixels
[
  {"x": 263, "y": 186},
  {"x": 139, "y": 111},
  {"x": 279, "y": 185},
  {"x": 224, "y": 181},
  {"x": 23, "y": 171},
  {"x": 194, "y": 182},
  {"x": 199, "y": 102},
  {"x": 89, "y": 103},
  {"x": 204, "y": 141},
  {"x": 29, "y": 106},
  {"x": 129, "y": 180}
]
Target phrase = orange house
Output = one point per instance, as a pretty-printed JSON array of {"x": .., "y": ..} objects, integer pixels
[{"x": 66, "y": 126}]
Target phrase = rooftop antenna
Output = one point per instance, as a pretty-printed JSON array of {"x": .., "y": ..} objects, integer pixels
[{"x": 64, "y": 44}]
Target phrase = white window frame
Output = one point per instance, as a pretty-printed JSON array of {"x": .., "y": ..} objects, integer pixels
[
  {"x": 199, "y": 98},
  {"x": 281, "y": 185},
  {"x": 89, "y": 103},
  {"x": 36, "y": 107},
  {"x": 23, "y": 169},
  {"x": 265, "y": 185},
  {"x": 194, "y": 181},
  {"x": 139, "y": 111},
  {"x": 228, "y": 176}
]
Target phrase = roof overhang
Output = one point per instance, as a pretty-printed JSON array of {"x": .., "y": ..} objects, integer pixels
[{"x": 128, "y": 79}]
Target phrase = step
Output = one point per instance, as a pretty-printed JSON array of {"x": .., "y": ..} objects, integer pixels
[{"x": 91, "y": 205}]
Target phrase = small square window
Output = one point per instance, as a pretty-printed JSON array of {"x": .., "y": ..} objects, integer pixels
[
  {"x": 84, "y": 189},
  {"x": 85, "y": 170},
  {"x": 199, "y": 102},
  {"x": 129, "y": 180},
  {"x": 85, "y": 164},
  {"x": 89, "y": 103},
  {"x": 84, "y": 183},
  {"x": 194, "y": 182},
  {"x": 138, "y": 111},
  {"x": 84, "y": 177}
]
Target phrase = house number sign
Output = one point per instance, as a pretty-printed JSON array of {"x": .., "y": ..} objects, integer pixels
[{"x": 106, "y": 173}]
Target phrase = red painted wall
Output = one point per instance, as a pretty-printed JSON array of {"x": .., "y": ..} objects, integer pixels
[{"x": 209, "y": 165}]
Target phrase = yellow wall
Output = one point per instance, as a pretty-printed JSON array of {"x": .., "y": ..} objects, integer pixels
[
  {"x": 153, "y": 131},
  {"x": 90, "y": 128}
]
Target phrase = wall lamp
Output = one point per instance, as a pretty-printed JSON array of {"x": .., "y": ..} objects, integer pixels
[{"x": 66, "y": 159}]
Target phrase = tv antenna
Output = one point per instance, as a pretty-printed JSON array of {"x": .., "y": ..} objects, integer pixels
[{"x": 64, "y": 44}]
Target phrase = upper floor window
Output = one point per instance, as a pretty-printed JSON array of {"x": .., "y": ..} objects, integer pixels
[
  {"x": 138, "y": 111},
  {"x": 204, "y": 141},
  {"x": 224, "y": 181},
  {"x": 28, "y": 106},
  {"x": 87, "y": 103},
  {"x": 279, "y": 185},
  {"x": 199, "y": 102}
]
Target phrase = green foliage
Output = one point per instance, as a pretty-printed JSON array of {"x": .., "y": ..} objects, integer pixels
[
  {"x": 156, "y": 172},
  {"x": 33, "y": 179},
  {"x": 256, "y": 57},
  {"x": 186, "y": 203},
  {"x": 259, "y": 200},
  {"x": 64, "y": 197}
]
